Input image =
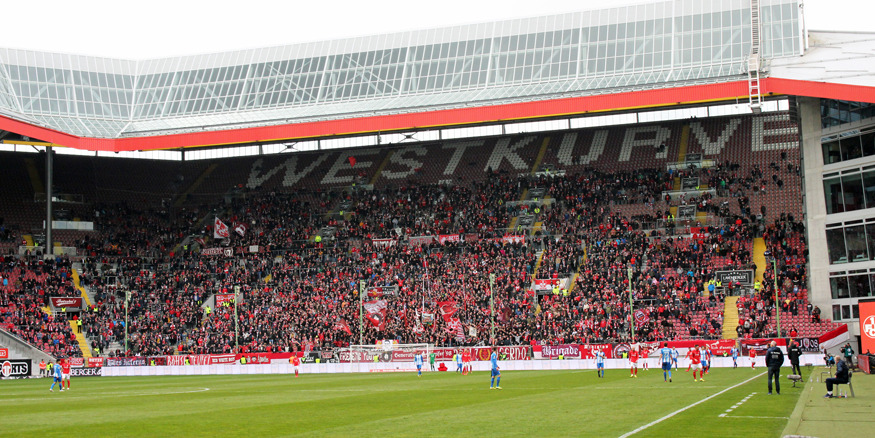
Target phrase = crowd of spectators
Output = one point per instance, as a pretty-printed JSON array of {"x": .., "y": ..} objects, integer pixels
[
  {"x": 302, "y": 293},
  {"x": 26, "y": 285}
]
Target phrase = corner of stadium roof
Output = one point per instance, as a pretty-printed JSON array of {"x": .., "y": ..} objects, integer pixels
[{"x": 640, "y": 57}]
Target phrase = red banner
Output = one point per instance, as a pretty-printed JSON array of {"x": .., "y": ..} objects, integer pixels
[
  {"x": 867, "y": 325},
  {"x": 445, "y": 238},
  {"x": 519, "y": 352},
  {"x": 4, "y": 353},
  {"x": 863, "y": 362},
  {"x": 224, "y": 298},
  {"x": 216, "y": 359},
  {"x": 95, "y": 362},
  {"x": 77, "y": 362},
  {"x": 586, "y": 350},
  {"x": 68, "y": 302}
]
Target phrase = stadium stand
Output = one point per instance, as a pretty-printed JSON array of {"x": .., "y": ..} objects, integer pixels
[{"x": 426, "y": 224}]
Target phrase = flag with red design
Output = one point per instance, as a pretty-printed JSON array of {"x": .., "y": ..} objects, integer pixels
[
  {"x": 447, "y": 309},
  {"x": 220, "y": 230},
  {"x": 341, "y": 325},
  {"x": 240, "y": 228},
  {"x": 375, "y": 312},
  {"x": 455, "y": 327},
  {"x": 641, "y": 317}
]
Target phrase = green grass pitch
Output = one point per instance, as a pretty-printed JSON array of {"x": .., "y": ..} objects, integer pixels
[{"x": 532, "y": 403}]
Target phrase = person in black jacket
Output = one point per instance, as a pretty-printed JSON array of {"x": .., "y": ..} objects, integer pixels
[
  {"x": 841, "y": 376},
  {"x": 774, "y": 360},
  {"x": 793, "y": 353}
]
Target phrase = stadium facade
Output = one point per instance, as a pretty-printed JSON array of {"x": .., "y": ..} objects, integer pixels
[{"x": 654, "y": 56}]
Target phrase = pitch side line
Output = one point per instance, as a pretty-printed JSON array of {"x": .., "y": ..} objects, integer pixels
[{"x": 660, "y": 420}]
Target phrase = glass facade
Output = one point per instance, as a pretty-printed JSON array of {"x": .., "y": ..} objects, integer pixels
[
  {"x": 569, "y": 54},
  {"x": 846, "y": 288},
  {"x": 849, "y": 146},
  {"x": 838, "y": 112},
  {"x": 849, "y": 190}
]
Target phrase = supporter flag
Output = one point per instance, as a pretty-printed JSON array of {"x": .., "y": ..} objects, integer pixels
[
  {"x": 240, "y": 228},
  {"x": 201, "y": 242},
  {"x": 220, "y": 230},
  {"x": 428, "y": 318},
  {"x": 341, "y": 325},
  {"x": 352, "y": 161},
  {"x": 375, "y": 312},
  {"x": 448, "y": 309},
  {"x": 834, "y": 337},
  {"x": 641, "y": 317},
  {"x": 454, "y": 325}
]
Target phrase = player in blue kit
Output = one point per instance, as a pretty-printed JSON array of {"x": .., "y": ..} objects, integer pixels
[
  {"x": 674, "y": 357},
  {"x": 496, "y": 375},
  {"x": 706, "y": 359},
  {"x": 600, "y": 362},
  {"x": 734, "y": 352},
  {"x": 665, "y": 354},
  {"x": 417, "y": 359},
  {"x": 58, "y": 376}
]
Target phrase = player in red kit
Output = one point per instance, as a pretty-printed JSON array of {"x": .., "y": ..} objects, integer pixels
[
  {"x": 696, "y": 363},
  {"x": 65, "y": 373},
  {"x": 633, "y": 362},
  {"x": 466, "y": 361},
  {"x": 643, "y": 353},
  {"x": 753, "y": 357},
  {"x": 296, "y": 362}
]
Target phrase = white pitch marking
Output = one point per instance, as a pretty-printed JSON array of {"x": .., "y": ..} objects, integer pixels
[
  {"x": 660, "y": 420},
  {"x": 751, "y": 416}
]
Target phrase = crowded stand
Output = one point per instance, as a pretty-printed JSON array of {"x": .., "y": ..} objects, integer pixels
[{"x": 436, "y": 236}]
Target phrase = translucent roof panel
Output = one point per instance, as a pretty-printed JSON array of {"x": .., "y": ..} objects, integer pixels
[{"x": 592, "y": 52}]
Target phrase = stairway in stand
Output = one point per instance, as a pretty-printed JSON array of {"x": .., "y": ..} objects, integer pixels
[
  {"x": 730, "y": 318},
  {"x": 759, "y": 257},
  {"x": 80, "y": 338}
]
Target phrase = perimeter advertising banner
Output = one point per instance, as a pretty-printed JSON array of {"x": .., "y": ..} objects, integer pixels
[
  {"x": 85, "y": 372},
  {"x": 867, "y": 325},
  {"x": 4, "y": 353},
  {"x": 15, "y": 368},
  {"x": 568, "y": 351}
]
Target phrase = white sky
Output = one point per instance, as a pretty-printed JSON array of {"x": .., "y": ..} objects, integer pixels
[{"x": 132, "y": 29}]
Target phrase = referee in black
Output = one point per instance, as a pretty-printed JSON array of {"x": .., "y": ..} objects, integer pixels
[{"x": 774, "y": 360}]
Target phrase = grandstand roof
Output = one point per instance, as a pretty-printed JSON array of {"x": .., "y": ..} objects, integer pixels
[{"x": 659, "y": 53}]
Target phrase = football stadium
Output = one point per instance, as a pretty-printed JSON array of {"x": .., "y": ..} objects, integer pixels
[{"x": 505, "y": 228}]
